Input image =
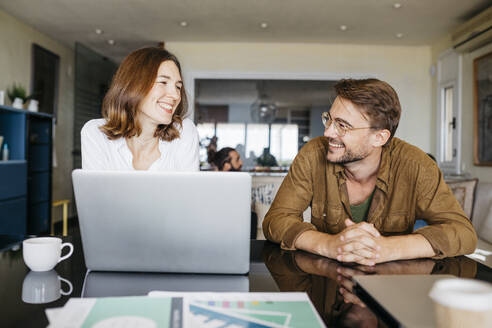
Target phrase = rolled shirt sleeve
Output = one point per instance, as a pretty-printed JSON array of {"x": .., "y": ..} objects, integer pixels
[
  {"x": 284, "y": 223},
  {"x": 449, "y": 231}
]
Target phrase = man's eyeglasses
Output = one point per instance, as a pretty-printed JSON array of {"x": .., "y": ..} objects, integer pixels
[{"x": 341, "y": 128}]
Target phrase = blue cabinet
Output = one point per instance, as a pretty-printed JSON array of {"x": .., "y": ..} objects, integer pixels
[
  {"x": 13, "y": 179},
  {"x": 13, "y": 216},
  {"x": 13, "y": 201},
  {"x": 25, "y": 179}
]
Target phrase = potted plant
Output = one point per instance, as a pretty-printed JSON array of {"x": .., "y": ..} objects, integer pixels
[
  {"x": 266, "y": 159},
  {"x": 17, "y": 95}
]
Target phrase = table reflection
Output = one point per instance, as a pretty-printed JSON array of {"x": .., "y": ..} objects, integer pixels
[
  {"x": 330, "y": 287},
  {"x": 44, "y": 287},
  {"x": 327, "y": 282},
  {"x": 109, "y": 284}
]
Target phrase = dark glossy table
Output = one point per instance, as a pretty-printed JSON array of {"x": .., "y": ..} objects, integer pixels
[{"x": 327, "y": 282}]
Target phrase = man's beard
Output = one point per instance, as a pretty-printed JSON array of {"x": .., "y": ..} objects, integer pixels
[{"x": 349, "y": 156}]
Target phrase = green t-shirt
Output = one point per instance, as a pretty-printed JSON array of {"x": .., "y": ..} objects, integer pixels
[{"x": 359, "y": 212}]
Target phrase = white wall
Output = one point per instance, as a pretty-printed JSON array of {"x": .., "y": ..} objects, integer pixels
[
  {"x": 16, "y": 39},
  {"x": 405, "y": 68}
]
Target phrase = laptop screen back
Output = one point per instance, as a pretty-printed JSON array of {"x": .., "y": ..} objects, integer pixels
[{"x": 197, "y": 222}]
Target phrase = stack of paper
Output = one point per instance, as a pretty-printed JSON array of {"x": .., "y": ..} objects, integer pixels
[{"x": 178, "y": 310}]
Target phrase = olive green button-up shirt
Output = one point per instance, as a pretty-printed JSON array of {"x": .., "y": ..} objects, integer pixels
[{"x": 409, "y": 186}]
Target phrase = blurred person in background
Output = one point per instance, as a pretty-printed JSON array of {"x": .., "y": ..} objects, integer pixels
[{"x": 226, "y": 159}]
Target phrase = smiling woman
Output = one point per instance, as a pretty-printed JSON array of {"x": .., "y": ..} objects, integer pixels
[{"x": 144, "y": 125}]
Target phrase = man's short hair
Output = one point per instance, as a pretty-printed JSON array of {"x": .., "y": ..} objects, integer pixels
[{"x": 378, "y": 100}]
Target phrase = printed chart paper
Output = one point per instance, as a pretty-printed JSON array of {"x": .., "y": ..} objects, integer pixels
[
  {"x": 258, "y": 310},
  {"x": 189, "y": 310}
]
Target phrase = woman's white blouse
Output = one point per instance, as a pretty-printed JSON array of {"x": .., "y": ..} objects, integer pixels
[{"x": 101, "y": 153}]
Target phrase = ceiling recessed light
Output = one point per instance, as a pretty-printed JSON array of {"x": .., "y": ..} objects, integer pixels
[
  {"x": 397, "y": 5},
  {"x": 111, "y": 42},
  {"x": 183, "y": 24},
  {"x": 264, "y": 25},
  {"x": 343, "y": 27},
  {"x": 99, "y": 31},
  {"x": 399, "y": 35}
]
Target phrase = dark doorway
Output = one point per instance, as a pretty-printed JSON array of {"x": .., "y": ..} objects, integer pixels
[
  {"x": 44, "y": 86},
  {"x": 93, "y": 74}
]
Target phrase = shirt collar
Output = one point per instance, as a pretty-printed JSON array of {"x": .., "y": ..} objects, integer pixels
[
  {"x": 385, "y": 165},
  {"x": 337, "y": 168}
]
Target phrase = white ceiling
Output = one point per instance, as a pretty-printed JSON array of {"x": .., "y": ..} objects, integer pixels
[{"x": 134, "y": 23}]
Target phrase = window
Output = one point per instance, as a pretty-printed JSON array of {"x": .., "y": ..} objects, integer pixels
[
  {"x": 282, "y": 139},
  {"x": 257, "y": 139},
  {"x": 449, "y": 123},
  {"x": 205, "y": 132},
  {"x": 283, "y": 144},
  {"x": 230, "y": 135},
  {"x": 449, "y": 112}
]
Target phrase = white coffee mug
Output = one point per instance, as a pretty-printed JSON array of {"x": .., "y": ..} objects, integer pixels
[
  {"x": 42, "y": 254},
  {"x": 43, "y": 287}
]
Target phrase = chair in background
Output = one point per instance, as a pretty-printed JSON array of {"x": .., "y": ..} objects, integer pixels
[
  {"x": 263, "y": 191},
  {"x": 64, "y": 203},
  {"x": 464, "y": 191}
]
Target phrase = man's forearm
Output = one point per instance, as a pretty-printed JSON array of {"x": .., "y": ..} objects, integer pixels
[
  {"x": 405, "y": 248},
  {"x": 316, "y": 242},
  {"x": 392, "y": 248}
]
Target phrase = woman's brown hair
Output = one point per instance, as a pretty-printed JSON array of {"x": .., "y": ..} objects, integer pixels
[
  {"x": 377, "y": 99},
  {"x": 131, "y": 83}
]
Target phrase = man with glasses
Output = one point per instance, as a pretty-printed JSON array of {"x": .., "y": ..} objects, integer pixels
[{"x": 366, "y": 188}]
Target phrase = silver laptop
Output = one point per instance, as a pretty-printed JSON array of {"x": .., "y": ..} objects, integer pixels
[{"x": 196, "y": 222}]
